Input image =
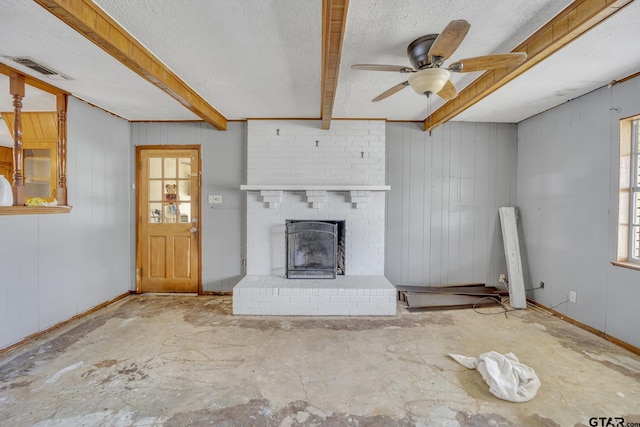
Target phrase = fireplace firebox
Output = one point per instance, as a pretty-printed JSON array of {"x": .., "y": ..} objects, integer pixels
[{"x": 315, "y": 249}]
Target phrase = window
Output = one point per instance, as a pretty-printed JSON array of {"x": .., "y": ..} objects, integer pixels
[{"x": 629, "y": 193}]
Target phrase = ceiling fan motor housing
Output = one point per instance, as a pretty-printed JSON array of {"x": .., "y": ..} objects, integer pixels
[{"x": 418, "y": 51}]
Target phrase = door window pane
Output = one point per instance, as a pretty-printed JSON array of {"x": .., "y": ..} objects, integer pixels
[
  {"x": 169, "y": 167},
  {"x": 170, "y": 212},
  {"x": 155, "y": 213},
  {"x": 155, "y": 167},
  {"x": 155, "y": 190},
  {"x": 184, "y": 168},
  {"x": 184, "y": 212},
  {"x": 184, "y": 188}
]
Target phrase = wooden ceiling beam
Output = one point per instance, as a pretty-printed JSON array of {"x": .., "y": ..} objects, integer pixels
[
  {"x": 334, "y": 21},
  {"x": 93, "y": 23},
  {"x": 578, "y": 18}
]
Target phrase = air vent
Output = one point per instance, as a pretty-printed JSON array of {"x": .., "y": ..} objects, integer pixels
[{"x": 40, "y": 68}]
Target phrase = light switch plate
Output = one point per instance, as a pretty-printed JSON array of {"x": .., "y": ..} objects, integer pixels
[{"x": 217, "y": 198}]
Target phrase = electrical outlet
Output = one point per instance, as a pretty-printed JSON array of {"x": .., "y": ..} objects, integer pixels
[
  {"x": 572, "y": 296},
  {"x": 502, "y": 278}
]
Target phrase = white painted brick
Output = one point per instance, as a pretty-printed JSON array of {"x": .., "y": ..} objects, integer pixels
[
  {"x": 354, "y": 299},
  {"x": 342, "y": 309},
  {"x": 302, "y": 300},
  {"x": 339, "y": 299},
  {"x": 362, "y": 309},
  {"x": 321, "y": 300}
]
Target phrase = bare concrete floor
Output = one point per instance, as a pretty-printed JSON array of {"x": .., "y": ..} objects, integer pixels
[{"x": 181, "y": 361}]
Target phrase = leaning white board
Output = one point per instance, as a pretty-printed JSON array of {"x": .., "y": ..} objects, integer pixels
[{"x": 517, "y": 297}]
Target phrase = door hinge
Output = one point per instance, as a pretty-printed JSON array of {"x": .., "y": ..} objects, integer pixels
[{"x": 140, "y": 165}]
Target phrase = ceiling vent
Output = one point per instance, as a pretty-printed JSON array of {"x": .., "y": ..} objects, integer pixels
[{"x": 40, "y": 68}]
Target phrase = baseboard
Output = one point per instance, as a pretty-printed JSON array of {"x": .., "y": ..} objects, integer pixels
[
  {"x": 38, "y": 334},
  {"x": 217, "y": 293},
  {"x": 587, "y": 328}
]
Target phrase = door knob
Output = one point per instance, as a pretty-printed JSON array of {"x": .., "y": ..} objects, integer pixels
[{"x": 193, "y": 229}]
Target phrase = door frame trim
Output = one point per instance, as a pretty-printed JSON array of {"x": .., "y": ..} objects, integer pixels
[{"x": 138, "y": 217}]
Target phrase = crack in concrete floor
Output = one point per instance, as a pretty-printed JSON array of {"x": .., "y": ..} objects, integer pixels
[{"x": 170, "y": 360}]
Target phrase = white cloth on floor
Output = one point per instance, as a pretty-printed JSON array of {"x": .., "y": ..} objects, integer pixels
[{"x": 508, "y": 379}]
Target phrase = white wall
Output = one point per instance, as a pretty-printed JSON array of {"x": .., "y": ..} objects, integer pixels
[
  {"x": 223, "y": 171},
  {"x": 352, "y": 152},
  {"x": 442, "y": 211},
  {"x": 567, "y": 194},
  {"x": 56, "y": 266}
]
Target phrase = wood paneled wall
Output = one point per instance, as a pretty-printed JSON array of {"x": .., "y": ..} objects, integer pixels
[
  {"x": 57, "y": 266},
  {"x": 568, "y": 160},
  {"x": 442, "y": 211}
]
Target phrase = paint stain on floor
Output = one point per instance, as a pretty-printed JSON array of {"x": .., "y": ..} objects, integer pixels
[{"x": 257, "y": 412}]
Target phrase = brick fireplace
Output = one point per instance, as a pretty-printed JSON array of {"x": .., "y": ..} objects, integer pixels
[{"x": 296, "y": 171}]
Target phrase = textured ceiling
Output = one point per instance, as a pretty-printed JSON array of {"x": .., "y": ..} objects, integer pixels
[
  {"x": 263, "y": 58},
  {"x": 379, "y": 32}
]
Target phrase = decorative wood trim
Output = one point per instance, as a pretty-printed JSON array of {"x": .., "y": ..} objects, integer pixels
[
  {"x": 587, "y": 328},
  {"x": 31, "y": 81},
  {"x": 34, "y": 210},
  {"x": 628, "y": 265},
  {"x": 578, "y": 18},
  {"x": 624, "y": 79},
  {"x": 216, "y": 293},
  {"x": 37, "y": 335},
  {"x": 334, "y": 21},
  {"x": 94, "y": 24},
  {"x": 16, "y": 89},
  {"x": 61, "y": 167}
]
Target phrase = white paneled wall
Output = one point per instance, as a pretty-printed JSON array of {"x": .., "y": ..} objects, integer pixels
[
  {"x": 56, "y": 266},
  {"x": 352, "y": 152},
  {"x": 442, "y": 210},
  {"x": 568, "y": 197}
]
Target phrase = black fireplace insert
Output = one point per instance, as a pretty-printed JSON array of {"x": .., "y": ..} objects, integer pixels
[{"x": 315, "y": 249}]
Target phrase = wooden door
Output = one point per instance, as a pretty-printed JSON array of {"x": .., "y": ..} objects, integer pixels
[{"x": 168, "y": 223}]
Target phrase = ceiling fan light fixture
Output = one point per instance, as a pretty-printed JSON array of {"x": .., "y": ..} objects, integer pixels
[{"x": 429, "y": 80}]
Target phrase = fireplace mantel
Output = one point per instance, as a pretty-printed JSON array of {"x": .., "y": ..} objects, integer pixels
[
  {"x": 304, "y": 187},
  {"x": 316, "y": 195}
]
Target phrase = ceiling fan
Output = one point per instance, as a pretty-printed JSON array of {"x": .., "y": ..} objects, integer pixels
[{"x": 427, "y": 54}]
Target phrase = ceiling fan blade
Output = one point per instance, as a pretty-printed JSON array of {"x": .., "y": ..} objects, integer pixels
[
  {"x": 449, "y": 39},
  {"x": 390, "y": 91},
  {"x": 488, "y": 62},
  {"x": 449, "y": 91},
  {"x": 378, "y": 67}
]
